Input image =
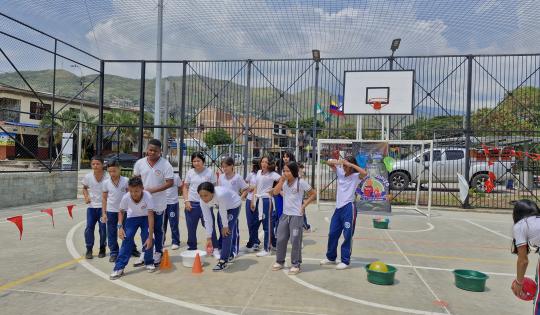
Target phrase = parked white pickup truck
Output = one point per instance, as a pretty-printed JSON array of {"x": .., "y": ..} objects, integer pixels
[{"x": 446, "y": 163}]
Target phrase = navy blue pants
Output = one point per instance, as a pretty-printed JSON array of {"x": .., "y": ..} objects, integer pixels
[
  {"x": 158, "y": 231},
  {"x": 171, "y": 216},
  {"x": 229, "y": 242},
  {"x": 253, "y": 224},
  {"x": 192, "y": 221},
  {"x": 130, "y": 228},
  {"x": 269, "y": 223},
  {"x": 343, "y": 221},
  {"x": 93, "y": 216},
  {"x": 112, "y": 232}
]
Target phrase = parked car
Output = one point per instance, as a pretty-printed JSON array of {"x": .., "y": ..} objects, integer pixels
[
  {"x": 126, "y": 160},
  {"x": 446, "y": 163}
]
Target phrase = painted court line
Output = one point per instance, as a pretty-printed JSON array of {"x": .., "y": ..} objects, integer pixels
[
  {"x": 359, "y": 301},
  {"x": 487, "y": 229},
  {"x": 73, "y": 251},
  {"x": 417, "y": 273}
]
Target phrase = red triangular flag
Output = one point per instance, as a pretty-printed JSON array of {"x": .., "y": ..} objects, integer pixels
[
  {"x": 70, "y": 210},
  {"x": 19, "y": 223},
  {"x": 485, "y": 148},
  {"x": 489, "y": 185},
  {"x": 492, "y": 176},
  {"x": 49, "y": 212}
]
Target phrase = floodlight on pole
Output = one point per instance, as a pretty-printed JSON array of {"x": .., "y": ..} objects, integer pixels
[
  {"x": 395, "y": 44},
  {"x": 316, "y": 55}
]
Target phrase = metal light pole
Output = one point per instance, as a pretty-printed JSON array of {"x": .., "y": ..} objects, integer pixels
[
  {"x": 159, "y": 55},
  {"x": 79, "y": 137}
]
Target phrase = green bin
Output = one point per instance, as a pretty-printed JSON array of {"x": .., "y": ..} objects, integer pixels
[
  {"x": 381, "y": 278},
  {"x": 470, "y": 280},
  {"x": 378, "y": 224}
]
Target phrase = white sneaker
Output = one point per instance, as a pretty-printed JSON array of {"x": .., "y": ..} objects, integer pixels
[
  {"x": 341, "y": 266},
  {"x": 157, "y": 258},
  {"x": 216, "y": 253},
  {"x": 256, "y": 247},
  {"x": 262, "y": 253},
  {"x": 150, "y": 268},
  {"x": 140, "y": 261},
  {"x": 327, "y": 262},
  {"x": 175, "y": 247},
  {"x": 116, "y": 274}
]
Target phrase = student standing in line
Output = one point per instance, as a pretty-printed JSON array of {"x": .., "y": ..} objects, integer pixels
[
  {"x": 228, "y": 204},
  {"x": 349, "y": 175},
  {"x": 157, "y": 176},
  {"x": 263, "y": 195},
  {"x": 252, "y": 214},
  {"x": 92, "y": 192},
  {"x": 114, "y": 188},
  {"x": 194, "y": 177},
  {"x": 172, "y": 212},
  {"x": 229, "y": 179},
  {"x": 136, "y": 212},
  {"x": 293, "y": 188}
]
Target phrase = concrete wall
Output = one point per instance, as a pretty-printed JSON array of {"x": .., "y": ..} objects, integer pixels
[{"x": 19, "y": 189}]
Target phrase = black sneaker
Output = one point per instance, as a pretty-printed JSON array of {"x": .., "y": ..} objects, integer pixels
[
  {"x": 221, "y": 265},
  {"x": 89, "y": 254},
  {"x": 135, "y": 253},
  {"x": 112, "y": 259},
  {"x": 102, "y": 252}
]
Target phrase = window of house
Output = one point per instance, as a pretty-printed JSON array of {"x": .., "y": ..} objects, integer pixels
[
  {"x": 38, "y": 110},
  {"x": 9, "y": 109}
]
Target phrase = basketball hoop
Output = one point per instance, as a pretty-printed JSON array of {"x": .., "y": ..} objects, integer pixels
[{"x": 378, "y": 103}]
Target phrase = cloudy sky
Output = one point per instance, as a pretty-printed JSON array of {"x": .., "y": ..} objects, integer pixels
[{"x": 256, "y": 29}]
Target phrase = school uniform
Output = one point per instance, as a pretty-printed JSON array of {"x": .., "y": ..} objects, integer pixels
[
  {"x": 267, "y": 214},
  {"x": 193, "y": 180},
  {"x": 93, "y": 212},
  {"x": 228, "y": 204},
  {"x": 115, "y": 192},
  {"x": 172, "y": 213},
  {"x": 252, "y": 217},
  {"x": 344, "y": 217},
  {"x": 237, "y": 184},
  {"x": 136, "y": 217},
  {"x": 154, "y": 176},
  {"x": 527, "y": 232},
  {"x": 291, "y": 223}
]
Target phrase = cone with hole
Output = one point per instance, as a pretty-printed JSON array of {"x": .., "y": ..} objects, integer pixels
[
  {"x": 197, "y": 265},
  {"x": 165, "y": 261}
]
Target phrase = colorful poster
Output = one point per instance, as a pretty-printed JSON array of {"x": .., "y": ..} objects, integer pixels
[
  {"x": 6, "y": 139},
  {"x": 373, "y": 191}
]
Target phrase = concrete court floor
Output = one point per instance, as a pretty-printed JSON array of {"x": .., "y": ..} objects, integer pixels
[{"x": 44, "y": 273}]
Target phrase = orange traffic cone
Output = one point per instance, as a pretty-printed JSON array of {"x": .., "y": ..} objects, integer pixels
[
  {"x": 197, "y": 266},
  {"x": 165, "y": 261}
]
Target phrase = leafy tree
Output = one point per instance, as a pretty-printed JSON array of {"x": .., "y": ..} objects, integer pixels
[
  {"x": 216, "y": 137},
  {"x": 424, "y": 128}
]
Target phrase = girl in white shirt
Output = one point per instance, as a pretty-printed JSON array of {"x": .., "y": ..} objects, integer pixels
[
  {"x": 92, "y": 192},
  {"x": 263, "y": 195},
  {"x": 349, "y": 176},
  {"x": 291, "y": 223},
  {"x": 252, "y": 214},
  {"x": 228, "y": 202},
  {"x": 229, "y": 179},
  {"x": 526, "y": 232},
  {"x": 194, "y": 177}
]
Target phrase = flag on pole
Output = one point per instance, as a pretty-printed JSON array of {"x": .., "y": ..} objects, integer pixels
[{"x": 335, "y": 109}]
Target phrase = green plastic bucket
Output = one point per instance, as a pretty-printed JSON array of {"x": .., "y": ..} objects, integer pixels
[
  {"x": 470, "y": 280},
  {"x": 378, "y": 224},
  {"x": 381, "y": 278}
]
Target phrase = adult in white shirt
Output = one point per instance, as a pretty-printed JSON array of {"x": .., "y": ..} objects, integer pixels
[
  {"x": 349, "y": 176},
  {"x": 157, "y": 176},
  {"x": 171, "y": 215},
  {"x": 228, "y": 202},
  {"x": 526, "y": 232},
  {"x": 194, "y": 177},
  {"x": 92, "y": 190}
]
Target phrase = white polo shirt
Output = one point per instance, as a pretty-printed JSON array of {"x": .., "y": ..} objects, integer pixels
[
  {"x": 95, "y": 188},
  {"x": 293, "y": 196},
  {"x": 194, "y": 179},
  {"x": 235, "y": 183},
  {"x": 224, "y": 199},
  {"x": 251, "y": 179},
  {"x": 137, "y": 209},
  {"x": 155, "y": 176},
  {"x": 266, "y": 181},
  {"x": 346, "y": 187},
  {"x": 115, "y": 192},
  {"x": 172, "y": 192},
  {"x": 527, "y": 231}
]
